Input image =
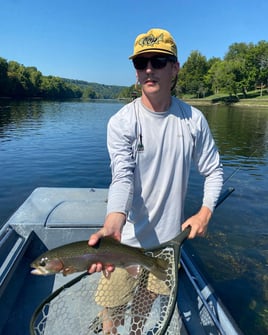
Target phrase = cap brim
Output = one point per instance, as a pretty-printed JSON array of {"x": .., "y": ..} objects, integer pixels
[{"x": 160, "y": 51}]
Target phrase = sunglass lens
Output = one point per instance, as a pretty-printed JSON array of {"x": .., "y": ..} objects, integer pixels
[
  {"x": 159, "y": 62},
  {"x": 140, "y": 63}
]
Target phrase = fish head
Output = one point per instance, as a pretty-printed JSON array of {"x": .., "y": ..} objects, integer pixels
[{"x": 46, "y": 266}]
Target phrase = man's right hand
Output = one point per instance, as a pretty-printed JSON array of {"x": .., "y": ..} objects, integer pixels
[{"x": 113, "y": 226}]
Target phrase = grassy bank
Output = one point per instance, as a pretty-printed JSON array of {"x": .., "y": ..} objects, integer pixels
[{"x": 253, "y": 99}]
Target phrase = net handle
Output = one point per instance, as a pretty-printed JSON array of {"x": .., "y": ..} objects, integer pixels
[{"x": 175, "y": 242}]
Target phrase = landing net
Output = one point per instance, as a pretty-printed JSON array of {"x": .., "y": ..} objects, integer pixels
[{"x": 133, "y": 306}]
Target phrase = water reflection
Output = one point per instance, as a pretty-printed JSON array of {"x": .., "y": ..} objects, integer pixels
[
  {"x": 17, "y": 117},
  {"x": 234, "y": 255},
  {"x": 243, "y": 133}
]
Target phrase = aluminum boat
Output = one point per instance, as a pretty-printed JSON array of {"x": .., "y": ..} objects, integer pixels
[{"x": 50, "y": 217}]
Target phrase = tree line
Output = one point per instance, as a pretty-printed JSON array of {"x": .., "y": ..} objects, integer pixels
[
  {"x": 19, "y": 81},
  {"x": 244, "y": 68}
]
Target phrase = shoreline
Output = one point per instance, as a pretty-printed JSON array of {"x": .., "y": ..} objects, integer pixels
[
  {"x": 242, "y": 103},
  {"x": 262, "y": 103}
]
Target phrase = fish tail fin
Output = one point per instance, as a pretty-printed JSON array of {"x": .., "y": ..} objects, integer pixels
[{"x": 159, "y": 268}]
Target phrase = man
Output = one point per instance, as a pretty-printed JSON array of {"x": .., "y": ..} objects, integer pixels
[{"x": 151, "y": 142}]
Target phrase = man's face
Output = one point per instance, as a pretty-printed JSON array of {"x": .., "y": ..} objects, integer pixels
[{"x": 157, "y": 72}]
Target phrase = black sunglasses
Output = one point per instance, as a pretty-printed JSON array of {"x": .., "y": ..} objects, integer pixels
[{"x": 157, "y": 62}]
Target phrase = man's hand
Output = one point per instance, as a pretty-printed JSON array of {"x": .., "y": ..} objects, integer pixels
[
  {"x": 198, "y": 222},
  {"x": 113, "y": 226}
]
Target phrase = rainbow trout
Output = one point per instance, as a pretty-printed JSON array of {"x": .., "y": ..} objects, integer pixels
[{"x": 78, "y": 256}]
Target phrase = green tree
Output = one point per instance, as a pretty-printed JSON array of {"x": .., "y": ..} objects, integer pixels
[
  {"x": 192, "y": 74},
  {"x": 237, "y": 58},
  {"x": 130, "y": 92},
  {"x": 214, "y": 75},
  {"x": 221, "y": 77},
  {"x": 237, "y": 51},
  {"x": 35, "y": 81},
  {"x": 3, "y": 76},
  {"x": 257, "y": 62},
  {"x": 14, "y": 88},
  {"x": 250, "y": 65},
  {"x": 89, "y": 93}
]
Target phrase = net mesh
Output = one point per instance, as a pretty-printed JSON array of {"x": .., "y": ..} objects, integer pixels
[{"x": 123, "y": 304}]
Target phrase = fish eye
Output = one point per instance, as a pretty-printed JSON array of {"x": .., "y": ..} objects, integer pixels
[{"x": 43, "y": 261}]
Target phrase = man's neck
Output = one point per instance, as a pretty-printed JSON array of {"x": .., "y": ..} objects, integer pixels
[{"x": 158, "y": 105}]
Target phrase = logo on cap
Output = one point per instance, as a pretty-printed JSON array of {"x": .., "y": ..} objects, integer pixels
[{"x": 151, "y": 40}]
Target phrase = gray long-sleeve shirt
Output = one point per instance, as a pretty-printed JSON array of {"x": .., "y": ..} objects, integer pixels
[{"x": 151, "y": 155}]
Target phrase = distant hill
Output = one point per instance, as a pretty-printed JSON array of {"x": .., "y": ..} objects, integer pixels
[{"x": 99, "y": 91}]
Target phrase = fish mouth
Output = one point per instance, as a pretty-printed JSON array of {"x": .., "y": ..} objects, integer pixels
[{"x": 40, "y": 271}]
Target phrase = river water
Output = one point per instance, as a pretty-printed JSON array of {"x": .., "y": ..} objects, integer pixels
[{"x": 63, "y": 144}]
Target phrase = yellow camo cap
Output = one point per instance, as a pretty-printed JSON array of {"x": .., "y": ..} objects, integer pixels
[{"x": 155, "y": 40}]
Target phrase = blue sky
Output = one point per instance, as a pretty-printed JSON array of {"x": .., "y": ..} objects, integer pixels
[{"x": 92, "y": 39}]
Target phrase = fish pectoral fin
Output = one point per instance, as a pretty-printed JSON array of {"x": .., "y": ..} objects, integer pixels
[
  {"x": 134, "y": 270},
  {"x": 68, "y": 270},
  {"x": 159, "y": 268},
  {"x": 163, "y": 264}
]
